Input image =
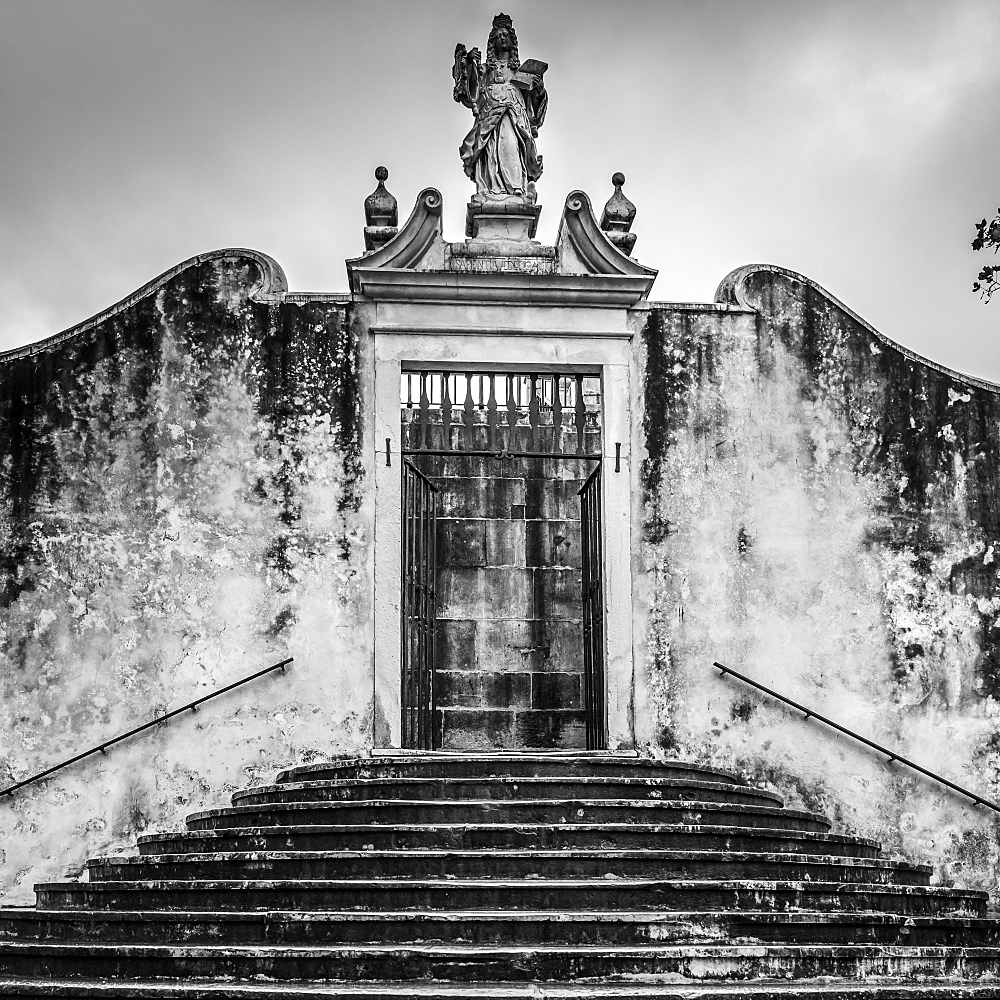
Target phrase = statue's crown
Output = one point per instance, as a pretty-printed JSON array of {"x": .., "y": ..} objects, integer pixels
[{"x": 502, "y": 21}]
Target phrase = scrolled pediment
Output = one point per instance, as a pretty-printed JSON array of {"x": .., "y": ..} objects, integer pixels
[
  {"x": 585, "y": 249},
  {"x": 411, "y": 248}
]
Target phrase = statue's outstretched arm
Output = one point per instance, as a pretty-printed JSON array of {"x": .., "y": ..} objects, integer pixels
[{"x": 466, "y": 73}]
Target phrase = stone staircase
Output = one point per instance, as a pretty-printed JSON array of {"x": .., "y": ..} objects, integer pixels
[{"x": 564, "y": 875}]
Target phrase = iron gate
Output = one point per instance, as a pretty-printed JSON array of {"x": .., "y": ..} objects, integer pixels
[
  {"x": 419, "y": 611},
  {"x": 593, "y": 610},
  {"x": 477, "y": 412}
]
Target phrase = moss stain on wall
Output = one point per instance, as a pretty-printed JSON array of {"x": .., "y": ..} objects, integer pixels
[
  {"x": 183, "y": 500},
  {"x": 821, "y": 510},
  {"x": 178, "y": 510}
]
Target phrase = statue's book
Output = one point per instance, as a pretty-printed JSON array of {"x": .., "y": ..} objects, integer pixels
[{"x": 526, "y": 73}]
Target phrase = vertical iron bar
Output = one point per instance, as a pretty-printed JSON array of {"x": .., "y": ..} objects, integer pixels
[
  {"x": 587, "y": 666},
  {"x": 422, "y": 571},
  {"x": 411, "y": 695},
  {"x": 404, "y": 617},
  {"x": 425, "y": 695},
  {"x": 595, "y": 624},
  {"x": 556, "y": 415},
  {"x": 593, "y": 609},
  {"x": 593, "y": 621},
  {"x": 414, "y": 605},
  {"x": 432, "y": 618},
  {"x": 408, "y": 618},
  {"x": 600, "y": 721}
]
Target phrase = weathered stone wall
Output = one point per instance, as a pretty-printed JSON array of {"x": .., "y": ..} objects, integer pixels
[
  {"x": 821, "y": 510},
  {"x": 181, "y": 504}
]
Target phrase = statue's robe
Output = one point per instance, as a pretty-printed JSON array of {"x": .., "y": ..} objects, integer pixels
[{"x": 499, "y": 154}]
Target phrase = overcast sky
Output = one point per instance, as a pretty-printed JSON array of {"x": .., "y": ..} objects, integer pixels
[{"x": 855, "y": 142}]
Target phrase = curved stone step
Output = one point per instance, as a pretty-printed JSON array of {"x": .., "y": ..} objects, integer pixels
[
  {"x": 677, "y": 988},
  {"x": 473, "y": 836},
  {"x": 431, "y": 764},
  {"x": 507, "y": 811},
  {"x": 863, "y": 928},
  {"x": 413, "y": 867},
  {"x": 508, "y": 864},
  {"x": 494, "y": 927},
  {"x": 504, "y": 788},
  {"x": 534, "y": 894},
  {"x": 454, "y": 962}
]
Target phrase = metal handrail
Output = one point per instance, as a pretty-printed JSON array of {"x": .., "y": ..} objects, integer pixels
[
  {"x": 891, "y": 754},
  {"x": 102, "y": 747}
]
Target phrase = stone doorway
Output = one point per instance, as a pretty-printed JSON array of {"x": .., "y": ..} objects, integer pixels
[{"x": 507, "y": 454}]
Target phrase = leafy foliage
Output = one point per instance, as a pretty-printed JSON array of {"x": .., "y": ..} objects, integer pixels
[{"x": 987, "y": 235}]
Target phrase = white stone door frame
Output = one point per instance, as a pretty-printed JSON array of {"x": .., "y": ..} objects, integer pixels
[{"x": 607, "y": 354}]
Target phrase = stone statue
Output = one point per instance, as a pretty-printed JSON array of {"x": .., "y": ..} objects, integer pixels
[{"x": 509, "y": 101}]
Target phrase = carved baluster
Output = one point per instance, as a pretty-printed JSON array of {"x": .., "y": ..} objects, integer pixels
[
  {"x": 469, "y": 412},
  {"x": 556, "y": 414},
  {"x": 534, "y": 414},
  {"x": 511, "y": 413},
  {"x": 446, "y": 408},
  {"x": 492, "y": 420},
  {"x": 423, "y": 438},
  {"x": 412, "y": 399},
  {"x": 581, "y": 417},
  {"x": 404, "y": 409}
]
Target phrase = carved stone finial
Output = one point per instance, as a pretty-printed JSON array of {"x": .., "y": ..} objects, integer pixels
[
  {"x": 381, "y": 213},
  {"x": 618, "y": 216}
]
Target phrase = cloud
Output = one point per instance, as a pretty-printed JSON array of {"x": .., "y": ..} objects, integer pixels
[
  {"x": 852, "y": 140},
  {"x": 894, "y": 85}
]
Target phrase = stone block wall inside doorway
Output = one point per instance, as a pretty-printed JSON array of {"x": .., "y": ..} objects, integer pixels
[{"x": 509, "y": 657}]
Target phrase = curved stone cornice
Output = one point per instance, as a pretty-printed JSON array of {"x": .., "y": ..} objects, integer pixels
[
  {"x": 733, "y": 290},
  {"x": 271, "y": 285},
  {"x": 406, "y": 249},
  {"x": 590, "y": 251}
]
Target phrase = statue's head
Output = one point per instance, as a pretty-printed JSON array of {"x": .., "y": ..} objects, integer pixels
[{"x": 502, "y": 36}]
